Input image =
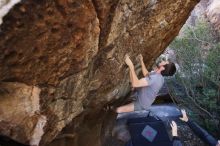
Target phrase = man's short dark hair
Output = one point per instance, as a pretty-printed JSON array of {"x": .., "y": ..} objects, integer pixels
[{"x": 169, "y": 70}]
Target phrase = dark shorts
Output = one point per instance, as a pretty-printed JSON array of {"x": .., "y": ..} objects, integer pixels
[{"x": 138, "y": 107}]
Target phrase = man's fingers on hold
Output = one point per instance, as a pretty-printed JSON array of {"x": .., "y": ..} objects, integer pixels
[{"x": 126, "y": 55}]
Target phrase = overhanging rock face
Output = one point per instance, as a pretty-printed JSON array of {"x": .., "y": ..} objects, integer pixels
[{"x": 72, "y": 53}]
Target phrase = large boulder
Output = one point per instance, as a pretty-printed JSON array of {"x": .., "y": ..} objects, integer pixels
[
  {"x": 62, "y": 61},
  {"x": 213, "y": 14}
]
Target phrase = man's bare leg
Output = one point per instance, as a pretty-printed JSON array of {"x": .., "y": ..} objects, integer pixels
[{"x": 125, "y": 108}]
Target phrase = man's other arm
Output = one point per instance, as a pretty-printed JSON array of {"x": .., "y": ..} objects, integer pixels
[
  {"x": 143, "y": 67},
  {"x": 135, "y": 81}
]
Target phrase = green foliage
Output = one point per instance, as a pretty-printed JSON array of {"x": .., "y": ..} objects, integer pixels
[
  {"x": 198, "y": 56},
  {"x": 212, "y": 62}
]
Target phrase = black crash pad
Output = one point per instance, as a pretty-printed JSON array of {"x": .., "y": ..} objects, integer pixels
[{"x": 136, "y": 126}]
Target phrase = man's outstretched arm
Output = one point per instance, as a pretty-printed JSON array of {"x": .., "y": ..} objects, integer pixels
[
  {"x": 143, "y": 67},
  {"x": 134, "y": 79}
]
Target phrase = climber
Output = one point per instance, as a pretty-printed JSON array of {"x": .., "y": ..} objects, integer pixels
[
  {"x": 147, "y": 87},
  {"x": 201, "y": 133}
]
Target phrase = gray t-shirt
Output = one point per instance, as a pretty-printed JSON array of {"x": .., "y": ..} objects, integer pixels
[{"x": 146, "y": 95}]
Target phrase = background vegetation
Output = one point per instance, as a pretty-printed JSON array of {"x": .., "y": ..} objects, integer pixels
[{"x": 196, "y": 86}]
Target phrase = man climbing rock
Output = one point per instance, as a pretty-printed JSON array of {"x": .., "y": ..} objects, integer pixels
[{"x": 147, "y": 87}]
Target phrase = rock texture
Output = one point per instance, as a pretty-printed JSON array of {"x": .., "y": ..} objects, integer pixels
[
  {"x": 5, "y": 6},
  {"x": 19, "y": 110},
  {"x": 213, "y": 13},
  {"x": 72, "y": 53},
  {"x": 208, "y": 10}
]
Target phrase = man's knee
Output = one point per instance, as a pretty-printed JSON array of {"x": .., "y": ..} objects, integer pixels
[
  {"x": 125, "y": 108},
  {"x": 118, "y": 110}
]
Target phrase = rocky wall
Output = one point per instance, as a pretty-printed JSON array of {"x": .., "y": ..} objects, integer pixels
[{"x": 72, "y": 51}]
